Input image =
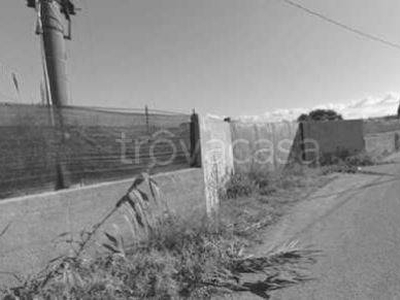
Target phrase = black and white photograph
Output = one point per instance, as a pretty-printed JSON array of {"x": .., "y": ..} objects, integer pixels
[{"x": 200, "y": 149}]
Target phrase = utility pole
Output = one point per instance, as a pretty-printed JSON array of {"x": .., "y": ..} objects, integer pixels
[
  {"x": 53, "y": 34},
  {"x": 51, "y": 27}
]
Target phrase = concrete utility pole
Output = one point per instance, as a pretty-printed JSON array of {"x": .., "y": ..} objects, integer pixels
[
  {"x": 51, "y": 15},
  {"x": 51, "y": 27},
  {"x": 54, "y": 50}
]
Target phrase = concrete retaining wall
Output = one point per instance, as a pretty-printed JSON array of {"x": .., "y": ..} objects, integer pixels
[
  {"x": 381, "y": 136},
  {"x": 216, "y": 156},
  {"x": 336, "y": 137},
  {"x": 262, "y": 146},
  {"x": 382, "y": 143},
  {"x": 37, "y": 220},
  {"x": 381, "y": 125}
]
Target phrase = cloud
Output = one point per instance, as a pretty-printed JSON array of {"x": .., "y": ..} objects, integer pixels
[{"x": 355, "y": 109}]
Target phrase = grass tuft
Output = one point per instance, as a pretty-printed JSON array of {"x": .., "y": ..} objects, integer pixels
[
  {"x": 271, "y": 195},
  {"x": 174, "y": 258},
  {"x": 347, "y": 163}
]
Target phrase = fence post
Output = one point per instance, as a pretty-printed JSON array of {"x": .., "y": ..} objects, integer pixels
[
  {"x": 302, "y": 145},
  {"x": 195, "y": 150},
  {"x": 146, "y": 112}
]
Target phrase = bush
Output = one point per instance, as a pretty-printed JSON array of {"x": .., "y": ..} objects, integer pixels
[
  {"x": 360, "y": 160},
  {"x": 265, "y": 183},
  {"x": 239, "y": 185},
  {"x": 345, "y": 163},
  {"x": 320, "y": 115}
]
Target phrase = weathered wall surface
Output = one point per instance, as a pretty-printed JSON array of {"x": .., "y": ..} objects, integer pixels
[
  {"x": 262, "y": 146},
  {"x": 37, "y": 220},
  {"x": 335, "y": 137},
  {"x": 381, "y": 125},
  {"x": 382, "y": 143},
  {"x": 216, "y": 156},
  {"x": 381, "y": 136}
]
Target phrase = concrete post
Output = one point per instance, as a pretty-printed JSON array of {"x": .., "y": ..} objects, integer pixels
[
  {"x": 54, "y": 50},
  {"x": 195, "y": 149}
]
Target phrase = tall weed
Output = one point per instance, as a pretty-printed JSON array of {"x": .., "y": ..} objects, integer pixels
[{"x": 174, "y": 258}]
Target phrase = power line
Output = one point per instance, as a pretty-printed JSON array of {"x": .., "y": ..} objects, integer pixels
[{"x": 342, "y": 25}]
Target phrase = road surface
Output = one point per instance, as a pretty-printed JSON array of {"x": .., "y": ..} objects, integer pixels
[{"x": 360, "y": 239}]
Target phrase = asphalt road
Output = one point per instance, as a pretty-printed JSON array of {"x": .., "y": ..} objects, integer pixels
[{"x": 360, "y": 239}]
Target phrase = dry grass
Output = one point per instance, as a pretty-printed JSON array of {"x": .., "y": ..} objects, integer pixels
[
  {"x": 174, "y": 258},
  {"x": 345, "y": 163},
  {"x": 196, "y": 266},
  {"x": 271, "y": 196}
]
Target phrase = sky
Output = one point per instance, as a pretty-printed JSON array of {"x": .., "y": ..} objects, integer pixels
[{"x": 224, "y": 57}]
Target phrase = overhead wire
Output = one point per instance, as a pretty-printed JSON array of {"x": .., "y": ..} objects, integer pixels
[{"x": 342, "y": 25}]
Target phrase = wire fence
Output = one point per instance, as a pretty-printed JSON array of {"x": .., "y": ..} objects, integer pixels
[{"x": 92, "y": 145}]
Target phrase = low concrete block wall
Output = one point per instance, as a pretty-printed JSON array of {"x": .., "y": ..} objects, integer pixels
[{"x": 35, "y": 221}]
